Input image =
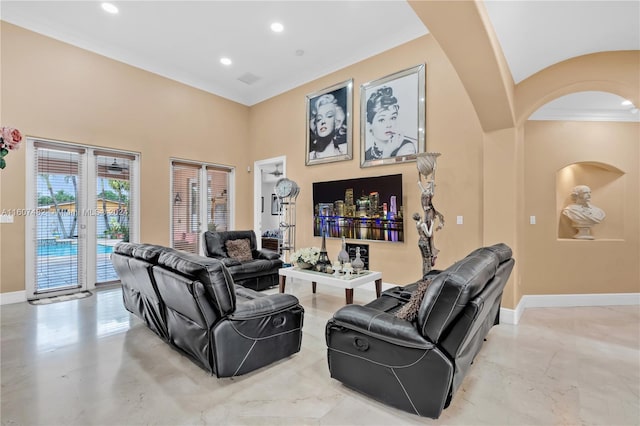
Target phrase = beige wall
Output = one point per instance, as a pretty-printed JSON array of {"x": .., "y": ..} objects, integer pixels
[
  {"x": 452, "y": 129},
  {"x": 56, "y": 91},
  {"x": 603, "y": 156}
]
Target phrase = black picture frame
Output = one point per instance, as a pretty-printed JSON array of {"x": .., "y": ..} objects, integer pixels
[
  {"x": 275, "y": 205},
  {"x": 392, "y": 118},
  {"x": 335, "y": 142}
]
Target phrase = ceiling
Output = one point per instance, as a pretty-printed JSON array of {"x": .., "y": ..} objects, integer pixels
[{"x": 184, "y": 40}]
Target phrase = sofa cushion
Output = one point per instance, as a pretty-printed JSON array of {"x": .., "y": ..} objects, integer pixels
[
  {"x": 501, "y": 250},
  {"x": 239, "y": 250},
  {"x": 453, "y": 288},
  {"x": 210, "y": 272},
  {"x": 125, "y": 248},
  {"x": 149, "y": 252}
]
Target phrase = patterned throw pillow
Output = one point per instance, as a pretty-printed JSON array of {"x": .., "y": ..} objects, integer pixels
[
  {"x": 239, "y": 250},
  {"x": 409, "y": 311}
]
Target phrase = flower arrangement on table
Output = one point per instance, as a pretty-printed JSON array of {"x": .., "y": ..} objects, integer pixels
[
  {"x": 10, "y": 139},
  {"x": 305, "y": 258}
]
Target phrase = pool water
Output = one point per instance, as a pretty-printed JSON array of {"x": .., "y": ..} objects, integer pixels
[{"x": 67, "y": 249}]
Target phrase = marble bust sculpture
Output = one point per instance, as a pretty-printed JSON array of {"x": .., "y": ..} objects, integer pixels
[{"x": 582, "y": 213}]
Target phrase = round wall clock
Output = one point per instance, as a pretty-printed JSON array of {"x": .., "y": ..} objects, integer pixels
[{"x": 286, "y": 188}]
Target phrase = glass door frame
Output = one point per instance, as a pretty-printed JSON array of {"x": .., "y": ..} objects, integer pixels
[{"x": 86, "y": 223}]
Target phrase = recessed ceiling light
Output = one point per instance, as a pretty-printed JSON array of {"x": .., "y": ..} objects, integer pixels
[
  {"x": 277, "y": 27},
  {"x": 225, "y": 61},
  {"x": 108, "y": 7},
  {"x": 626, "y": 102}
]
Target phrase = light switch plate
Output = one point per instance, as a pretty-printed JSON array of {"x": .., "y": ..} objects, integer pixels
[
  {"x": 459, "y": 220},
  {"x": 532, "y": 220},
  {"x": 6, "y": 218}
]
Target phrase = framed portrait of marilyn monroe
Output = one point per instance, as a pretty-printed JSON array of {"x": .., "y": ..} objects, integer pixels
[
  {"x": 392, "y": 123},
  {"x": 329, "y": 124}
]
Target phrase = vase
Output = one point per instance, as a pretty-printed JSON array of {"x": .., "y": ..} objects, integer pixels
[
  {"x": 343, "y": 256},
  {"x": 357, "y": 264}
]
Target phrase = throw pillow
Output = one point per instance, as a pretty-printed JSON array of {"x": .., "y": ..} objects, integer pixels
[
  {"x": 409, "y": 311},
  {"x": 239, "y": 250}
]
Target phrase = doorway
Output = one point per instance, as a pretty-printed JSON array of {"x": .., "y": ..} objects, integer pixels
[
  {"x": 266, "y": 174},
  {"x": 83, "y": 202}
]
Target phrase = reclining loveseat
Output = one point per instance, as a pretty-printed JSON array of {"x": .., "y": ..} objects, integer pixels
[
  {"x": 418, "y": 365},
  {"x": 191, "y": 302},
  {"x": 257, "y": 270}
]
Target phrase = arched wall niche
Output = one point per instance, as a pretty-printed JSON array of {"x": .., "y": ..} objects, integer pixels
[{"x": 607, "y": 184}]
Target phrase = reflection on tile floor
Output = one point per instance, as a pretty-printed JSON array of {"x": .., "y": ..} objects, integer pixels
[{"x": 89, "y": 362}]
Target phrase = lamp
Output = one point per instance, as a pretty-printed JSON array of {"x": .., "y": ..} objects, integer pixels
[{"x": 177, "y": 199}]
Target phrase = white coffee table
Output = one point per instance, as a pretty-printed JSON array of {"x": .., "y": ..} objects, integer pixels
[{"x": 336, "y": 281}]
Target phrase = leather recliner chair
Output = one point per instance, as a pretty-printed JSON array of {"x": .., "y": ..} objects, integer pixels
[
  {"x": 192, "y": 303},
  {"x": 417, "y": 366},
  {"x": 259, "y": 273}
]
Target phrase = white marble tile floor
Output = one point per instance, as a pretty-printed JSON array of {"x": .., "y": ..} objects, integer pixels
[{"x": 89, "y": 362}]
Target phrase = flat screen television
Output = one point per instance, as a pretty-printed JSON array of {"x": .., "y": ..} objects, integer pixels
[{"x": 363, "y": 209}]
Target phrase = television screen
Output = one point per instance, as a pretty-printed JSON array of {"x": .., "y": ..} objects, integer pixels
[{"x": 363, "y": 209}]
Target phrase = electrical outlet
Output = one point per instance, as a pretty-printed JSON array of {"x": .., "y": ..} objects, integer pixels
[{"x": 459, "y": 220}]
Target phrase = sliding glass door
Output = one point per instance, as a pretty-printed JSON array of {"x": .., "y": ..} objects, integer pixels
[{"x": 80, "y": 203}]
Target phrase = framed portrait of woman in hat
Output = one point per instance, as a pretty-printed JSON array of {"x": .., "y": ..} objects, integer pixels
[
  {"x": 329, "y": 124},
  {"x": 392, "y": 123}
]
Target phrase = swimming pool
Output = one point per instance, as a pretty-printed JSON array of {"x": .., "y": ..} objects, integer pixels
[{"x": 67, "y": 248}]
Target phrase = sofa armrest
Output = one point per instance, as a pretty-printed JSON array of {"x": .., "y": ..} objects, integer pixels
[
  {"x": 380, "y": 325},
  {"x": 263, "y": 306},
  {"x": 227, "y": 261},
  {"x": 265, "y": 254}
]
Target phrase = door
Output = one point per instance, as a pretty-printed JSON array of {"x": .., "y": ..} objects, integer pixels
[
  {"x": 114, "y": 187},
  {"x": 82, "y": 201},
  {"x": 60, "y": 231},
  {"x": 266, "y": 173}
]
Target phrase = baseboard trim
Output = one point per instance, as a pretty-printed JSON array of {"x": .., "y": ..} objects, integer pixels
[
  {"x": 13, "y": 297},
  {"x": 512, "y": 316}
]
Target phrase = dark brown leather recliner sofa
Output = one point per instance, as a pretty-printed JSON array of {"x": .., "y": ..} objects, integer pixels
[
  {"x": 192, "y": 303},
  {"x": 417, "y": 366}
]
